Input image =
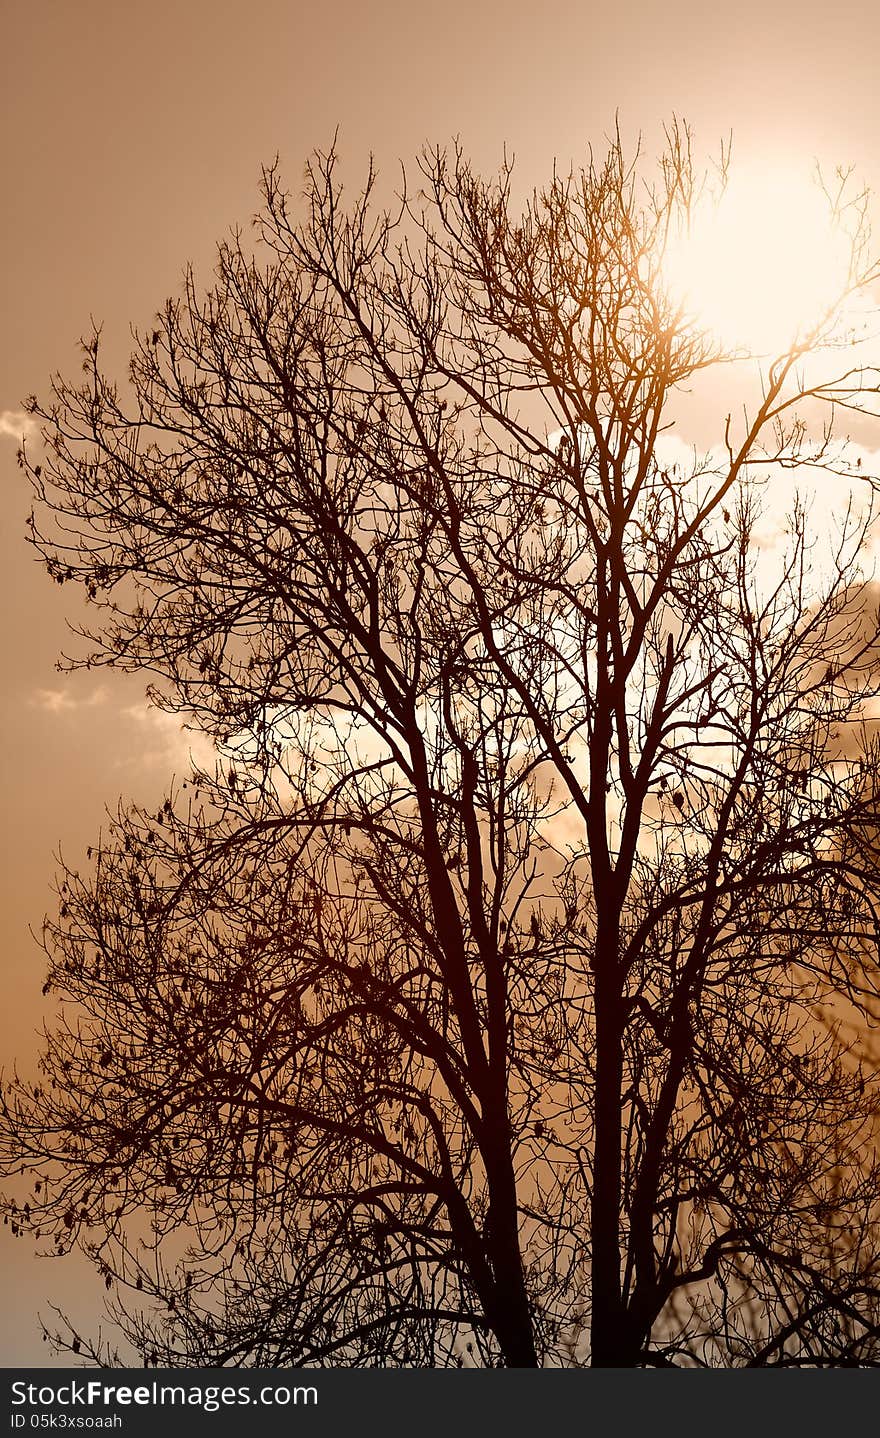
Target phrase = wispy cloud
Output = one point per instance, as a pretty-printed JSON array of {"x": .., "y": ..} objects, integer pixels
[
  {"x": 165, "y": 741},
  {"x": 144, "y": 738},
  {"x": 17, "y": 425},
  {"x": 61, "y": 701}
]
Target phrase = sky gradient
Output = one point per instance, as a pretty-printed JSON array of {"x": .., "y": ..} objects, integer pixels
[{"x": 133, "y": 138}]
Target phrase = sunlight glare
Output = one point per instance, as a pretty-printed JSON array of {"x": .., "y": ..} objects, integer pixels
[{"x": 763, "y": 264}]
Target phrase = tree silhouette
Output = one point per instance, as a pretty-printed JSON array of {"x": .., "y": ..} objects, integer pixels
[{"x": 503, "y": 995}]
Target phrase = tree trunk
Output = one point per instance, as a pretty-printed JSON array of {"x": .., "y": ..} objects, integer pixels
[
  {"x": 610, "y": 1341},
  {"x": 513, "y": 1320}
]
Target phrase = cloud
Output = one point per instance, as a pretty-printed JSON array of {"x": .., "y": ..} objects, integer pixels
[
  {"x": 133, "y": 737},
  {"x": 17, "y": 425},
  {"x": 61, "y": 701},
  {"x": 166, "y": 742}
]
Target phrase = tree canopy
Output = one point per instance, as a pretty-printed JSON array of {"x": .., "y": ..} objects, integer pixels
[{"x": 503, "y": 995}]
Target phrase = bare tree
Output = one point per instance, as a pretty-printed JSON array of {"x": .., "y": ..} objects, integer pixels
[{"x": 502, "y": 995}]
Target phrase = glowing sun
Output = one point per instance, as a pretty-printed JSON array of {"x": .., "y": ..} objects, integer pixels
[{"x": 762, "y": 264}]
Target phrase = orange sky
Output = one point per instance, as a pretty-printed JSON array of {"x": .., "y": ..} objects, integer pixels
[{"x": 132, "y": 138}]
